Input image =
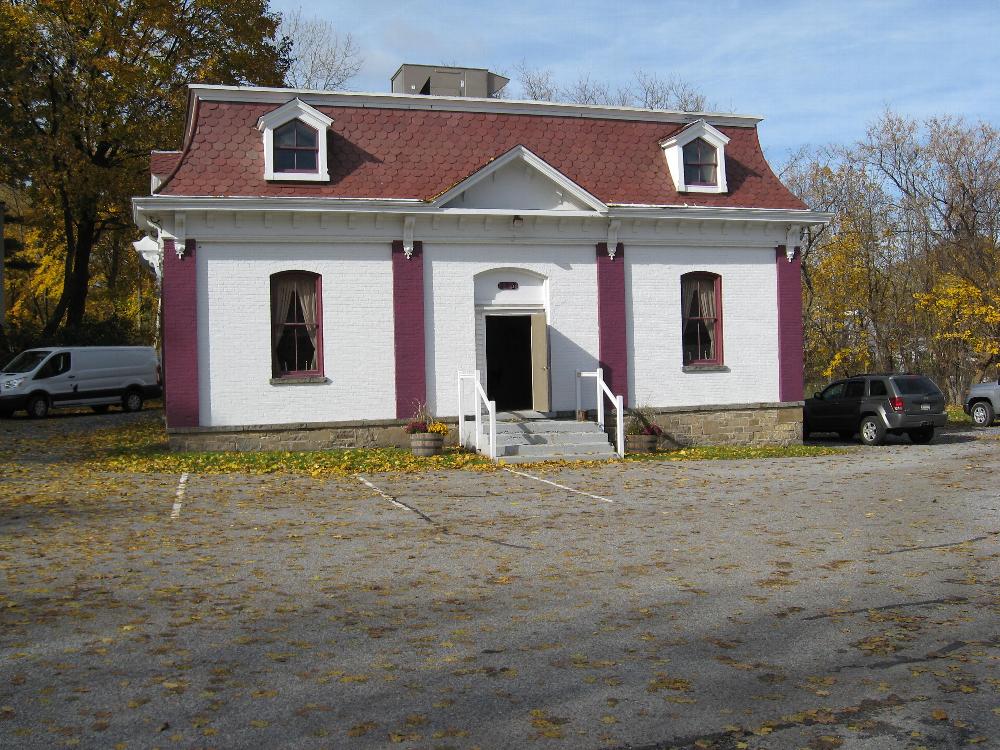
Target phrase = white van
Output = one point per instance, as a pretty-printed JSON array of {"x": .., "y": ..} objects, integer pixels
[{"x": 96, "y": 376}]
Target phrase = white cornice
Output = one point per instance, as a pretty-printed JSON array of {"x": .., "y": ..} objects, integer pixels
[
  {"x": 156, "y": 204},
  {"x": 460, "y": 104}
]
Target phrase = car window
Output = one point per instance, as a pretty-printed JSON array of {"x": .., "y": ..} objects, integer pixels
[
  {"x": 57, "y": 365},
  {"x": 877, "y": 388},
  {"x": 855, "y": 389},
  {"x": 834, "y": 391},
  {"x": 25, "y": 361},
  {"x": 915, "y": 385}
]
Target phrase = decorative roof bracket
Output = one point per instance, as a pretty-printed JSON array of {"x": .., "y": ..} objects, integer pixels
[
  {"x": 408, "y": 222},
  {"x": 613, "y": 226},
  {"x": 792, "y": 239}
]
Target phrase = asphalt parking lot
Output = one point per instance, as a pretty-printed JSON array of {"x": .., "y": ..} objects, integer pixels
[{"x": 837, "y": 601}]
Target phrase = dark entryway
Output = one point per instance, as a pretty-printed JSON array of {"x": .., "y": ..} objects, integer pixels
[{"x": 508, "y": 361}]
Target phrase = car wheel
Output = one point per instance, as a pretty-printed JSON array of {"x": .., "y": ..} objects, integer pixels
[
  {"x": 38, "y": 407},
  {"x": 922, "y": 436},
  {"x": 845, "y": 435},
  {"x": 132, "y": 401},
  {"x": 982, "y": 414},
  {"x": 872, "y": 431},
  {"x": 100, "y": 408}
]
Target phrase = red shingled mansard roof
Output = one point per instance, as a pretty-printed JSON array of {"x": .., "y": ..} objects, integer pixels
[
  {"x": 418, "y": 153},
  {"x": 163, "y": 162}
]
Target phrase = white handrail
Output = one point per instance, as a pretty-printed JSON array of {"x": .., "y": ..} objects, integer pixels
[
  {"x": 480, "y": 398},
  {"x": 602, "y": 390}
]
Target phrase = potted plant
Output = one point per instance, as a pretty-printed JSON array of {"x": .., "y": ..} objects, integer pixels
[
  {"x": 426, "y": 434},
  {"x": 642, "y": 434}
]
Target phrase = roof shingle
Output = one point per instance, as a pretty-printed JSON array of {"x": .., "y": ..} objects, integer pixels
[{"x": 401, "y": 153}]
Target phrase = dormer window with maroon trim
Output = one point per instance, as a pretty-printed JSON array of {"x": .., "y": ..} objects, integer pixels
[
  {"x": 696, "y": 158},
  {"x": 701, "y": 162},
  {"x": 295, "y": 148},
  {"x": 295, "y": 143},
  {"x": 701, "y": 315},
  {"x": 296, "y": 325}
]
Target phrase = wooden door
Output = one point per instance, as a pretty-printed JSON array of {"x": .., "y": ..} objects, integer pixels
[{"x": 540, "y": 399}]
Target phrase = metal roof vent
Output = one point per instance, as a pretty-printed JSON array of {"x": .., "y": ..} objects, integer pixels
[{"x": 441, "y": 80}]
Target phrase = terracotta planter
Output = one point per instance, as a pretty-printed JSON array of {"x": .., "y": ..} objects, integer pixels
[
  {"x": 640, "y": 443},
  {"x": 426, "y": 443}
]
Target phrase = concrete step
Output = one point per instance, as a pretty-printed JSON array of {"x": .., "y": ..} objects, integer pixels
[
  {"x": 553, "y": 438},
  {"x": 542, "y": 426},
  {"x": 560, "y": 457},
  {"x": 550, "y": 449}
]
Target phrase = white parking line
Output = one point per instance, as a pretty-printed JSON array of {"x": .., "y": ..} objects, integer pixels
[
  {"x": 386, "y": 495},
  {"x": 560, "y": 486},
  {"x": 179, "y": 497}
]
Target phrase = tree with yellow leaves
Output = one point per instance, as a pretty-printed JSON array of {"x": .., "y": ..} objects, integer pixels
[
  {"x": 86, "y": 91},
  {"x": 905, "y": 277}
]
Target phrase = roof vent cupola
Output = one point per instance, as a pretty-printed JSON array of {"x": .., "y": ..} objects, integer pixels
[{"x": 442, "y": 80}]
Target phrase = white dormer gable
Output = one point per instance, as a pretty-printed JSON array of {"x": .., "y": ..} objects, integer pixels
[
  {"x": 519, "y": 181},
  {"x": 673, "y": 148},
  {"x": 296, "y": 109}
]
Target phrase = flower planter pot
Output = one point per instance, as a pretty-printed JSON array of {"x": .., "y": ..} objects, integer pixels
[
  {"x": 426, "y": 443},
  {"x": 640, "y": 443}
]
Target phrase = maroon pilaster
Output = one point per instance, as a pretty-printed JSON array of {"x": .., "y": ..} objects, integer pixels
[
  {"x": 180, "y": 335},
  {"x": 790, "y": 367},
  {"x": 408, "y": 326},
  {"x": 613, "y": 342}
]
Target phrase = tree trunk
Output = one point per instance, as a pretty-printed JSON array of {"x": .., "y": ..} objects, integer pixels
[
  {"x": 76, "y": 279},
  {"x": 80, "y": 280}
]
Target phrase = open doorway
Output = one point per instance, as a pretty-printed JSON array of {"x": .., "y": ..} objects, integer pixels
[{"x": 508, "y": 361}]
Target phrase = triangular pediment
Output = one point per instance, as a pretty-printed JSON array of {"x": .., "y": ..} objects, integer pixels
[
  {"x": 296, "y": 109},
  {"x": 519, "y": 181}
]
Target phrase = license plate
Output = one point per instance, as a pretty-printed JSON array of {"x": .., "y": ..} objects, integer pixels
[{"x": 925, "y": 407}]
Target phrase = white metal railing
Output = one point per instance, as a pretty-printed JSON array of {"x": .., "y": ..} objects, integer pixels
[
  {"x": 602, "y": 392},
  {"x": 480, "y": 400}
]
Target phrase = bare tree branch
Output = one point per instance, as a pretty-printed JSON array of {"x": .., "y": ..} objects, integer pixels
[
  {"x": 647, "y": 90},
  {"x": 321, "y": 58}
]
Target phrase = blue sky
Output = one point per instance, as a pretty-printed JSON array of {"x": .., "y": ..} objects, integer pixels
[{"x": 818, "y": 72}]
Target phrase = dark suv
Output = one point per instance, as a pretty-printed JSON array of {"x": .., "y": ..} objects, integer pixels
[{"x": 873, "y": 406}]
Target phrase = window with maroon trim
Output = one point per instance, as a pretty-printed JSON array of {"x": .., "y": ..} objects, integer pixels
[
  {"x": 296, "y": 324},
  {"x": 701, "y": 162},
  {"x": 296, "y": 148},
  {"x": 701, "y": 315}
]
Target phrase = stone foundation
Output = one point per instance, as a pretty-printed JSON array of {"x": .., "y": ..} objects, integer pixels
[
  {"x": 730, "y": 424},
  {"x": 308, "y": 436}
]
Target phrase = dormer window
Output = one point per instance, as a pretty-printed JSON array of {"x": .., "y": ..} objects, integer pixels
[
  {"x": 295, "y": 143},
  {"x": 696, "y": 158},
  {"x": 701, "y": 163},
  {"x": 295, "y": 148}
]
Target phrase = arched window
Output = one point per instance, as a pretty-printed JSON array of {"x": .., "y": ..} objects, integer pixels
[
  {"x": 701, "y": 162},
  {"x": 296, "y": 324},
  {"x": 296, "y": 148},
  {"x": 701, "y": 315}
]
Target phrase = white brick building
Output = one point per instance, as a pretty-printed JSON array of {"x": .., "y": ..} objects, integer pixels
[{"x": 331, "y": 259}]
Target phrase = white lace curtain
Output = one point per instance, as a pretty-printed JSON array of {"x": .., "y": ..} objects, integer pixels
[
  {"x": 302, "y": 289},
  {"x": 699, "y": 302}
]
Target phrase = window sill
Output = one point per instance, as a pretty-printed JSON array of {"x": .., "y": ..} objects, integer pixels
[
  {"x": 307, "y": 380},
  {"x": 705, "y": 368},
  {"x": 297, "y": 176},
  {"x": 702, "y": 189}
]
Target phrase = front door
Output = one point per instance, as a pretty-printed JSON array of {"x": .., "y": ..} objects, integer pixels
[
  {"x": 539, "y": 362},
  {"x": 508, "y": 361}
]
